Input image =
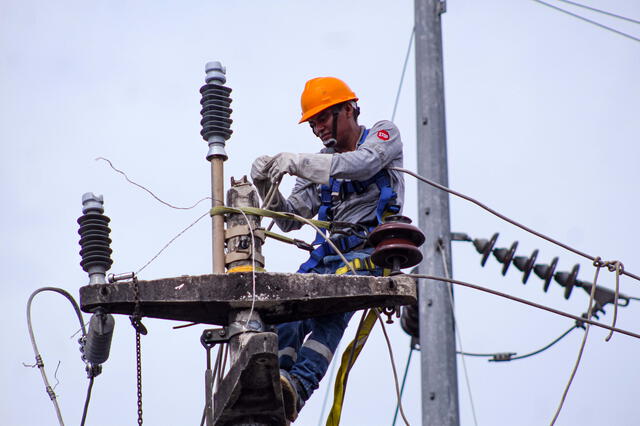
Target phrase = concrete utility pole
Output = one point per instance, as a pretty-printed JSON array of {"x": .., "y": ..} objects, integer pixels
[{"x": 437, "y": 342}]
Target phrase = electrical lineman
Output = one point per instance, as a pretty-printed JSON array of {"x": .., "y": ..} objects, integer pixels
[{"x": 347, "y": 182}]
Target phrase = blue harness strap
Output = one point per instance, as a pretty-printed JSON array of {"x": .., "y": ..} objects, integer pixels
[{"x": 331, "y": 193}]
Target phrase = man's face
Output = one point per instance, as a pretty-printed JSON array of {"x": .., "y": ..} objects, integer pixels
[{"x": 322, "y": 124}]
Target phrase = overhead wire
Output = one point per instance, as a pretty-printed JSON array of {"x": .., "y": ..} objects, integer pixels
[
  {"x": 575, "y": 15},
  {"x": 544, "y": 348},
  {"x": 509, "y": 356},
  {"x": 505, "y": 218},
  {"x": 604, "y": 12},
  {"x": 404, "y": 68},
  {"x": 526, "y": 302}
]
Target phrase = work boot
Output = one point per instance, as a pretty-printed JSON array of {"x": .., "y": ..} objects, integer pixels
[{"x": 291, "y": 396}]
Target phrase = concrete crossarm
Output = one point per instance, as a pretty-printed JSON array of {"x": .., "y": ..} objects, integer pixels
[{"x": 279, "y": 297}]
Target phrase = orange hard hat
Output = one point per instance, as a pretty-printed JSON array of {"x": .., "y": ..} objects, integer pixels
[{"x": 321, "y": 93}]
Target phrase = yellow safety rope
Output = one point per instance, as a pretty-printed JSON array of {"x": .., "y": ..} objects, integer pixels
[
  {"x": 345, "y": 366},
  {"x": 267, "y": 213}
]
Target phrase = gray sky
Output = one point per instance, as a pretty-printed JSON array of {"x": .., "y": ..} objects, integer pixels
[{"x": 542, "y": 122}]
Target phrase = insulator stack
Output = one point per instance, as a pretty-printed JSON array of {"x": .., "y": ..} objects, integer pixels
[
  {"x": 526, "y": 264},
  {"x": 216, "y": 112},
  {"x": 94, "y": 238},
  {"x": 396, "y": 243},
  {"x": 546, "y": 272},
  {"x": 505, "y": 256},
  {"x": 98, "y": 340}
]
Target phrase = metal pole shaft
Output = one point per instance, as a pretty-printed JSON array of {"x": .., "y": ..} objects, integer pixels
[
  {"x": 437, "y": 343},
  {"x": 217, "y": 224}
]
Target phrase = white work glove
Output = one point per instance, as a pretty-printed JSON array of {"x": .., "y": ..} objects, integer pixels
[
  {"x": 313, "y": 167},
  {"x": 260, "y": 168},
  {"x": 260, "y": 177}
]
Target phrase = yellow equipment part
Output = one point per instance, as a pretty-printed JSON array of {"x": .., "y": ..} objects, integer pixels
[{"x": 345, "y": 366}]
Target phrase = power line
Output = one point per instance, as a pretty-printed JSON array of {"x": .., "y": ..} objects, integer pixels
[
  {"x": 526, "y": 302},
  {"x": 575, "y": 15},
  {"x": 604, "y": 12},
  {"x": 511, "y": 221},
  {"x": 404, "y": 68}
]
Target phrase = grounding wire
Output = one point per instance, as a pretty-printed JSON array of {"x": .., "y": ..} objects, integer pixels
[
  {"x": 604, "y": 12},
  {"x": 393, "y": 367},
  {"x": 526, "y": 302},
  {"x": 582, "y": 344},
  {"x": 457, "y": 329},
  {"x": 575, "y": 15},
  {"x": 404, "y": 380},
  {"x": 404, "y": 69},
  {"x": 505, "y": 218},
  {"x": 39, "y": 361}
]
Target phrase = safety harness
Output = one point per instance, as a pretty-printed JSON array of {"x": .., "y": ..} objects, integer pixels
[{"x": 337, "y": 189}]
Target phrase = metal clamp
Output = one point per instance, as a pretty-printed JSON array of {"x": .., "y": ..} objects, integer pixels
[{"x": 212, "y": 336}]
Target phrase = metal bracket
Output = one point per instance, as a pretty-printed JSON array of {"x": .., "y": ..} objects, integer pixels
[
  {"x": 212, "y": 336},
  {"x": 442, "y": 7}
]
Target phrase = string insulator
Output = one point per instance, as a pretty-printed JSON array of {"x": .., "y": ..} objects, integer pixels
[
  {"x": 505, "y": 256},
  {"x": 525, "y": 264},
  {"x": 567, "y": 280},
  {"x": 545, "y": 272},
  {"x": 485, "y": 247}
]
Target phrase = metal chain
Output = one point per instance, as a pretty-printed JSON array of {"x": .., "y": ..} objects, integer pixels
[
  {"x": 140, "y": 329},
  {"x": 139, "y": 371}
]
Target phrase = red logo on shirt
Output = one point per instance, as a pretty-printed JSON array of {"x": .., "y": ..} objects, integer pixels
[{"x": 383, "y": 134}]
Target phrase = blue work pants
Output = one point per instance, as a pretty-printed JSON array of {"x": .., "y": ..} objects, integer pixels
[{"x": 307, "y": 358}]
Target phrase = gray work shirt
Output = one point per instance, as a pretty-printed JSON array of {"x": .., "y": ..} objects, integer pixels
[{"x": 382, "y": 148}]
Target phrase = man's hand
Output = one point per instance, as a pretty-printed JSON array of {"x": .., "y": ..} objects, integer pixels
[
  {"x": 260, "y": 168},
  {"x": 313, "y": 167},
  {"x": 285, "y": 162}
]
